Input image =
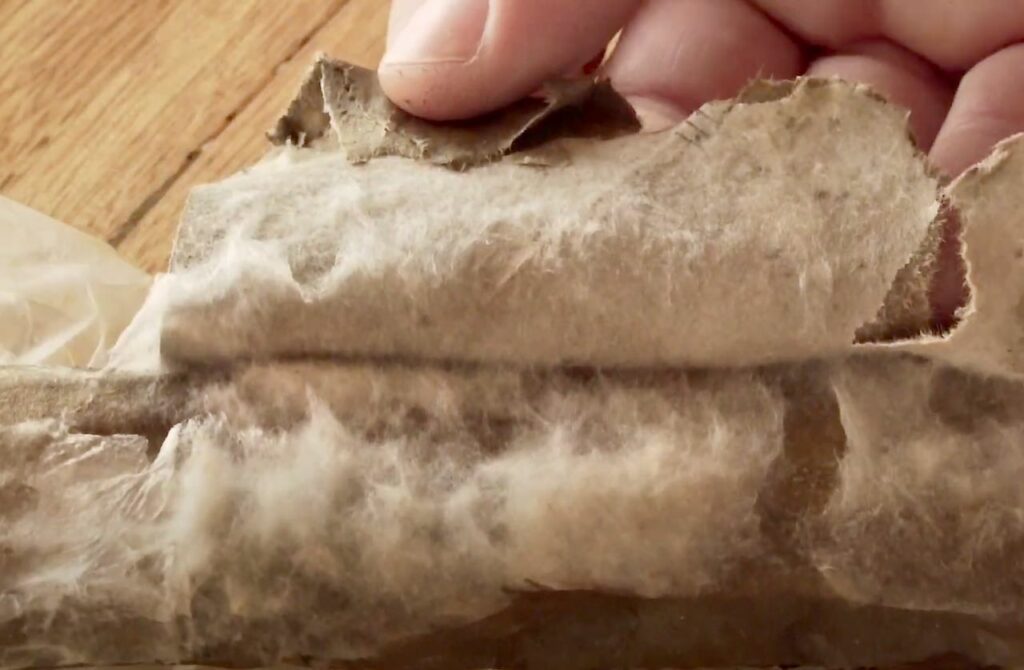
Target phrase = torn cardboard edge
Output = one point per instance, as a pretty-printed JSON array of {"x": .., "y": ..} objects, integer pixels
[
  {"x": 346, "y": 99},
  {"x": 987, "y": 200},
  {"x": 510, "y": 268}
]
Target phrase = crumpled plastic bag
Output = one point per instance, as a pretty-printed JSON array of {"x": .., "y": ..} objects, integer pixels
[{"x": 65, "y": 296}]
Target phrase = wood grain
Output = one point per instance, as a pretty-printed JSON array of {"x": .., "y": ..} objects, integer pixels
[
  {"x": 111, "y": 111},
  {"x": 355, "y": 34}
]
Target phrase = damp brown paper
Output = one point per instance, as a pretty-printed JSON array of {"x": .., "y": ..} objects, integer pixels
[
  {"x": 574, "y": 398},
  {"x": 760, "y": 231}
]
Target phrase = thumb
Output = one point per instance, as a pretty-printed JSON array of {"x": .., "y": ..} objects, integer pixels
[
  {"x": 455, "y": 59},
  {"x": 398, "y": 16}
]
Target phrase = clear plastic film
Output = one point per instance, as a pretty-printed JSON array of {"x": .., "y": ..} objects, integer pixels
[{"x": 65, "y": 296}]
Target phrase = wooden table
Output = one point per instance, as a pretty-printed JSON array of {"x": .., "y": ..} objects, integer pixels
[{"x": 111, "y": 110}]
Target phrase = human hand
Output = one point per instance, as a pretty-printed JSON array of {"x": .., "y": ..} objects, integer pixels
[{"x": 958, "y": 65}]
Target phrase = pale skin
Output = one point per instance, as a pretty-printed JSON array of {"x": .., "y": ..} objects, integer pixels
[{"x": 957, "y": 65}]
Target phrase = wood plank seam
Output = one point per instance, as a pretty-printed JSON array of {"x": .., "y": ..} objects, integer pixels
[
  {"x": 154, "y": 196},
  {"x": 356, "y": 33},
  {"x": 152, "y": 199}
]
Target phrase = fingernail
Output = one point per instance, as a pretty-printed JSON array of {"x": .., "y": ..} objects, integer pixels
[
  {"x": 655, "y": 114},
  {"x": 442, "y": 31}
]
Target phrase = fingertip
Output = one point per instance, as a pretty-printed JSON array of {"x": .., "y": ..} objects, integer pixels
[
  {"x": 399, "y": 15},
  {"x": 828, "y": 23},
  {"x": 949, "y": 291},
  {"x": 429, "y": 91},
  {"x": 687, "y": 52},
  {"x": 988, "y": 107},
  {"x": 427, "y": 62},
  {"x": 460, "y": 58},
  {"x": 953, "y": 35},
  {"x": 656, "y": 115}
]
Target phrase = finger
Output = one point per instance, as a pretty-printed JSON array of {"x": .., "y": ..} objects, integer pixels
[
  {"x": 988, "y": 107},
  {"x": 953, "y": 34},
  {"x": 899, "y": 75},
  {"x": 948, "y": 292},
  {"x": 830, "y": 23},
  {"x": 401, "y": 12},
  {"x": 675, "y": 55},
  {"x": 460, "y": 58}
]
